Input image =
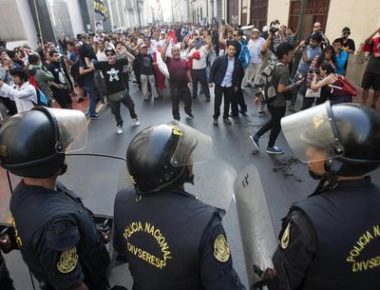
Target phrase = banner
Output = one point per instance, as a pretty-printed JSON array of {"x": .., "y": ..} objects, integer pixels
[{"x": 101, "y": 9}]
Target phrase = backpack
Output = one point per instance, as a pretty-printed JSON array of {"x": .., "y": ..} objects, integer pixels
[
  {"x": 245, "y": 55},
  {"x": 42, "y": 99},
  {"x": 264, "y": 84}
]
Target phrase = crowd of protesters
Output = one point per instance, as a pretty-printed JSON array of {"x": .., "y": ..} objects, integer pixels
[{"x": 218, "y": 56}]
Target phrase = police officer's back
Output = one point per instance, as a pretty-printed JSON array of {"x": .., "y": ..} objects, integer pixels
[
  {"x": 56, "y": 234},
  {"x": 331, "y": 239},
  {"x": 170, "y": 239}
]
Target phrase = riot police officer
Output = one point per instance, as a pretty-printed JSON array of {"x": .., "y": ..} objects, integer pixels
[
  {"x": 56, "y": 234},
  {"x": 170, "y": 239},
  {"x": 331, "y": 239}
]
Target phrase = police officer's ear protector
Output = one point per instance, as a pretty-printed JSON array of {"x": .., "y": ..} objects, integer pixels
[{"x": 57, "y": 134}]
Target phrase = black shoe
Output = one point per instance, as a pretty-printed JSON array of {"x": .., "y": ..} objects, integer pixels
[
  {"x": 215, "y": 122},
  {"x": 243, "y": 112},
  {"x": 227, "y": 121},
  {"x": 234, "y": 116},
  {"x": 177, "y": 118},
  {"x": 190, "y": 116},
  {"x": 255, "y": 141},
  {"x": 275, "y": 150},
  {"x": 208, "y": 100}
]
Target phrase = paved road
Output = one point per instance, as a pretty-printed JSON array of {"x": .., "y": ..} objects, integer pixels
[{"x": 284, "y": 179}]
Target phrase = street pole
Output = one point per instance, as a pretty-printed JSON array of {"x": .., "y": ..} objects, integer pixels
[
  {"x": 138, "y": 12},
  {"x": 300, "y": 30},
  {"x": 38, "y": 22},
  {"x": 301, "y": 21}
]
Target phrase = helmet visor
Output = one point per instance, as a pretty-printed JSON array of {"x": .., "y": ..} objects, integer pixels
[
  {"x": 310, "y": 134},
  {"x": 73, "y": 129},
  {"x": 193, "y": 145}
]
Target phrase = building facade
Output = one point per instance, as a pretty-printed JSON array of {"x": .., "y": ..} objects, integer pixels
[
  {"x": 126, "y": 14},
  {"x": 363, "y": 17},
  {"x": 28, "y": 21},
  {"x": 201, "y": 10},
  {"x": 180, "y": 10}
]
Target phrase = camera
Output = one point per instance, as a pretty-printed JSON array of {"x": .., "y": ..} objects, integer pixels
[{"x": 273, "y": 29}]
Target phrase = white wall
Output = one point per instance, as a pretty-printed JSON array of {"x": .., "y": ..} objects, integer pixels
[
  {"x": 16, "y": 22},
  {"x": 363, "y": 18},
  {"x": 279, "y": 9},
  {"x": 75, "y": 16}
]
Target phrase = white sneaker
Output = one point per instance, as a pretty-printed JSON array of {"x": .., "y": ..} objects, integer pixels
[
  {"x": 137, "y": 122},
  {"x": 119, "y": 130}
]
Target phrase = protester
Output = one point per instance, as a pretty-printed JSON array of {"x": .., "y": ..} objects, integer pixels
[
  {"x": 255, "y": 45},
  {"x": 371, "y": 77},
  {"x": 42, "y": 76},
  {"x": 144, "y": 61},
  {"x": 277, "y": 104},
  {"x": 59, "y": 84},
  {"x": 227, "y": 73},
  {"x": 24, "y": 94},
  {"x": 179, "y": 78},
  {"x": 341, "y": 57},
  {"x": 348, "y": 43},
  {"x": 198, "y": 56},
  {"x": 116, "y": 88}
]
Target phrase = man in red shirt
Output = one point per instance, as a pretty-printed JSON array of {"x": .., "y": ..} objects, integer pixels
[
  {"x": 371, "y": 77},
  {"x": 179, "y": 78}
]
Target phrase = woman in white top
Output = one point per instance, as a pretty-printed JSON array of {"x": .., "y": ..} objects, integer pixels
[{"x": 24, "y": 94}]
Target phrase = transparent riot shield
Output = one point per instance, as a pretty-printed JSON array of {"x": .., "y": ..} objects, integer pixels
[
  {"x": 258, "y": 236},
  {"x": 213, "y": 183}
]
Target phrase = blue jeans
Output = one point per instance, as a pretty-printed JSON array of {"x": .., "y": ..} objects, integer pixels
[{"x": 90, "y": 90}]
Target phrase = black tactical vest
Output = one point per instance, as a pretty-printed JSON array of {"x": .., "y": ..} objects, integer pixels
[
  {"x": 160, "y": 236},
  {"x": 33, "y": 207},
  {"x": 346, "y": 221}
]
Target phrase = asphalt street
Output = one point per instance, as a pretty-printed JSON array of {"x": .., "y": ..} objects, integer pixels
[{"x": 97, "y": 179}]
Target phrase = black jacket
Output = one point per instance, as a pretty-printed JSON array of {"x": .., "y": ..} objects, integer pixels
[{"x": 219, "y": 68}]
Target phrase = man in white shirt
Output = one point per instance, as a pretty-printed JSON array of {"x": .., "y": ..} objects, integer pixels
[
  {"x": 254, "y": 45},
  {"x": 24, "y": 94},
  {"x": 199, "y": 59}
]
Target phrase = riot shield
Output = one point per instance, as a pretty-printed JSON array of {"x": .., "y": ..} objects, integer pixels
[
  {"x": 258, "y": 236},
  {"x": 213, "y": 182}
]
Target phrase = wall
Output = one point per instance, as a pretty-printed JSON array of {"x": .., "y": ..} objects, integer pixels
[
  {"x": 279, "y": 9},
  {"x": 75, "y": 16},
  {"x": 13, "y": 12},
  {"x": 363, "y": 17}
]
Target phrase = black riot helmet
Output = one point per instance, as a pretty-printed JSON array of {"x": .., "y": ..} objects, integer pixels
[
  {"x": 347, "y": 134},
  {"x": 159, "y": 157},
  {"x": 34, "y": 143}
]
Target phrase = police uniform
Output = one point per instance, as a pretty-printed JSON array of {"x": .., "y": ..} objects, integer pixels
[
  {"x": 58, "y": 238},
  {"x": 171, "y": 240},
  {"x": 331, "y": 240}
]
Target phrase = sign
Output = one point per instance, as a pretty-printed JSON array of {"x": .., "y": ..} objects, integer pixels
[{"x": 101, "y": 9}]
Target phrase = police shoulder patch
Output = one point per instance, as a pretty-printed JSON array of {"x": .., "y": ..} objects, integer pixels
[
  {"x": 285, "y": 237},
  {"x": 221, "y": 249},
  {"x": 67, "y": 261}
]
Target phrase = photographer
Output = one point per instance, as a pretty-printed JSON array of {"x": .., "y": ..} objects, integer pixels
[
  {"x": 277, "y": 102},
  {"x": 309, "y": 54}
]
